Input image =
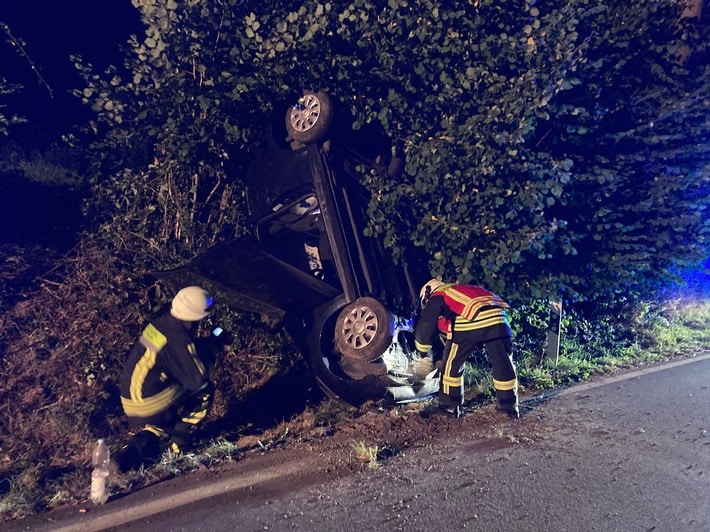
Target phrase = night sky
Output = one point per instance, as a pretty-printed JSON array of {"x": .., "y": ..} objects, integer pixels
[{"x": 52, "y": 31}]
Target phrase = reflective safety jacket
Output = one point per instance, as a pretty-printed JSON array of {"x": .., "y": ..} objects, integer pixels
[
  {"x": 162, "y": 367},
  {"x": 458, "y": 307}
]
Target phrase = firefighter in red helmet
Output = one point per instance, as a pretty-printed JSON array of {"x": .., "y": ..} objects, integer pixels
[{"x": 469, "y": 317}]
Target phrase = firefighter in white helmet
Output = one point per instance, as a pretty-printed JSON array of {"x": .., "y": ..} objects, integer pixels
[
  {"x": 470, "y": 317},
  {"x": 165, "y": 391}
]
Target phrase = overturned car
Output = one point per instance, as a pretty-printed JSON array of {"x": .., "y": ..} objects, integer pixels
[{"x": 342, "y": 298}]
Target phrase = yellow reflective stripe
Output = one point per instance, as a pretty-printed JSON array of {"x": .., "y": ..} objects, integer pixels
[
  {"x": 471, "y": 305},
  {"x": 466, "y": 325},
  {"x": 447, "y": 381},
  {"x": 505, "y": 385},
  {"x": 474, "y": 303},
  {"x": 195, "y": 417},
  {"x": 144, "y": 365},
  {"x": 472, "y": 308},
  {"x": 160, "y": 433},
  {"x": 422, "y": 348},
  {"x": 456, "y": 295},
  {"x": 153, "y": 339},
  {"x": 144, "y": 407},
  {"x": 453, "y": 381},
  {"x": 484, "y": 319}
]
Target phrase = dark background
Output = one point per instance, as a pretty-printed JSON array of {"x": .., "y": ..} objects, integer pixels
[
  {"x": 52, "y": 31},
  {"x": 40, "y": 212}
]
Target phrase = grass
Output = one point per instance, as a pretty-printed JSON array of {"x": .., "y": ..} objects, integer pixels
[
  {"x": 366, "y": 453},
  {"x": 681, "y": 325},
  {"x": 214, "y": 452},
  {"x": 58, "y": 392},
  {"x": 674, "y": 327}
]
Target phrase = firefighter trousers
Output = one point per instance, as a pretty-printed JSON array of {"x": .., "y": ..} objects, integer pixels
[
  {"x": 498, "y": 343},
  {"x": 174, "y": 426}
]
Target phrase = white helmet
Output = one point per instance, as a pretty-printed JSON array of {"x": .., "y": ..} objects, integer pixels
[
  {"x": 192, "y": 303},
  {"x": 427, "y": 290}
]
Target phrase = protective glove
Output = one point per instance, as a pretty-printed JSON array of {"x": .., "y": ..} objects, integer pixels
[{"x": 422, "y": 366}]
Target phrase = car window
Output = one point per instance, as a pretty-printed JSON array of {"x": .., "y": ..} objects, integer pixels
[{"x": 295, "y": 234}]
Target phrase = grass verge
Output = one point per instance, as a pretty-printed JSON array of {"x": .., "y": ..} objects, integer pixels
[{"x": 62, "y": 346}]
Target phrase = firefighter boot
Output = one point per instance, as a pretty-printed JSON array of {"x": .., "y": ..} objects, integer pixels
[
  {"x": 509, "y": 408},
  {"x": 142, "y": 449}
]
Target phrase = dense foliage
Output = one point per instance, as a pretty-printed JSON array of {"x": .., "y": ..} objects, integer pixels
[{"x": 550, "y": 147}]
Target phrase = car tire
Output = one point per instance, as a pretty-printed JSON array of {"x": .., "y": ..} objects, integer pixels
[
  {"x": 326, "y": 365},
  {"x": 364, "y": 330},
  {"x": 309, "y": 120}
]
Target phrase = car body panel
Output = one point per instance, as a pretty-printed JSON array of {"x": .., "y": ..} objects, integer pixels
[{"x": 254, "y": 280}]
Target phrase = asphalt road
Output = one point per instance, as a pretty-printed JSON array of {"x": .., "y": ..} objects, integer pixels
[{"x": 626, "y": 453}]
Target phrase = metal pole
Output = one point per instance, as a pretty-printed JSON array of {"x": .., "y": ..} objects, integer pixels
[{"x": 554, "y": 330}]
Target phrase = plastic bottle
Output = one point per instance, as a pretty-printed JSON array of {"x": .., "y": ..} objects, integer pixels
[{"x": 99, "y": 460}]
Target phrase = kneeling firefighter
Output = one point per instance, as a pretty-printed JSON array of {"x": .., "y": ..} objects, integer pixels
[
  {"x": 165, "y": 391},
  {"x": 470, "y": 317}
]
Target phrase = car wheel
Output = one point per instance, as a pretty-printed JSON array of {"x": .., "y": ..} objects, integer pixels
[
  {"x": 309, "y": 119},
  {"x": 327, "y": 367},
  {"x": 364, "y": 330}
]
